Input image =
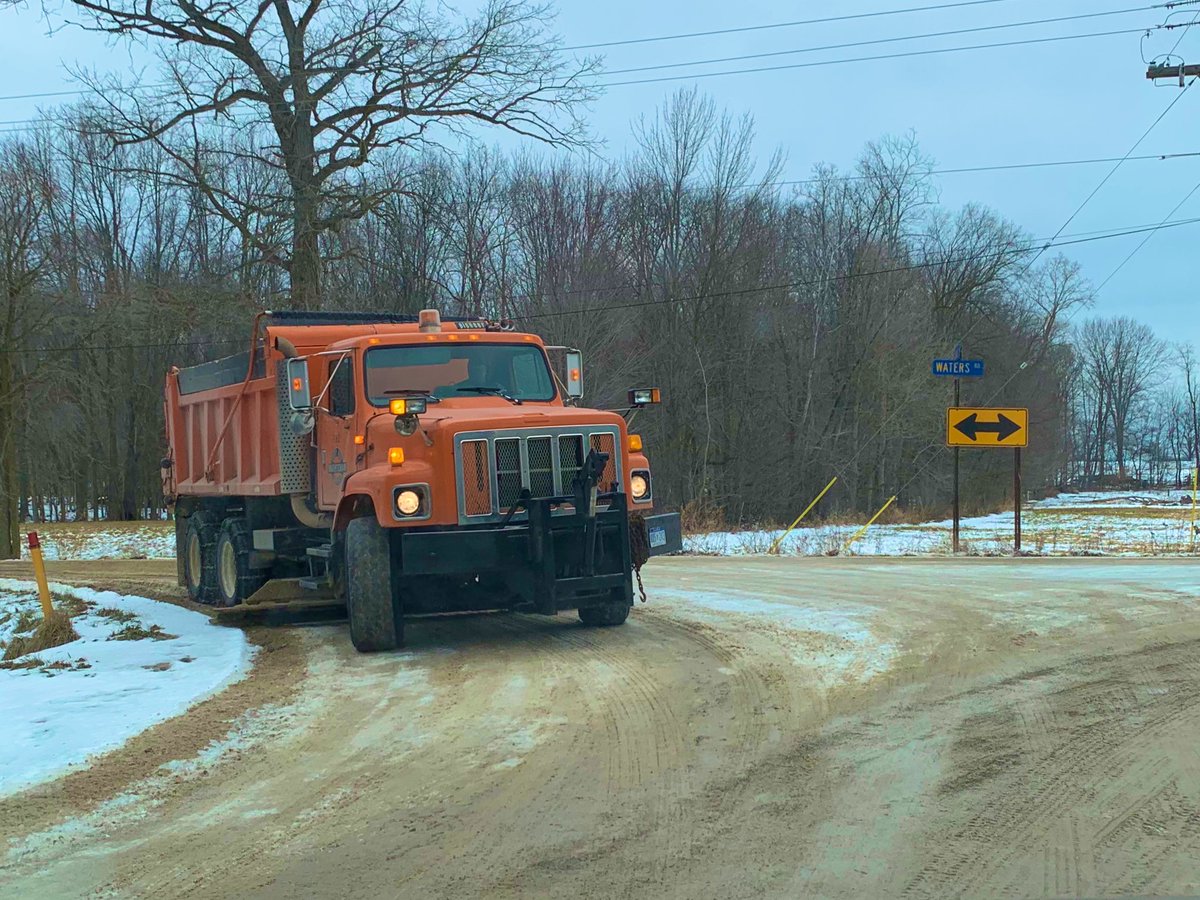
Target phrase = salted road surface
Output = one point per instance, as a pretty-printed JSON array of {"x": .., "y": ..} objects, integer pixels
[{"x": 763, "y": 727}]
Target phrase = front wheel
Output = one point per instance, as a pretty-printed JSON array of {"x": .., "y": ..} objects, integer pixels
[{"x": 376, "y": 619}]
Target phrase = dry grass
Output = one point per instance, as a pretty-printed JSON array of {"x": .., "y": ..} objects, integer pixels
[
  {"x": 73, "y": 605},
  {"x": 699, "y": 517},
  {"x": 136, "y": 631},
  {"x": 116, "y": 615},
  {"x": 54, "y": 631},
  {"x": 27, "y": 620},
  {"x": 1179, "y": 513},
  {"x": 29, "y": 662}
]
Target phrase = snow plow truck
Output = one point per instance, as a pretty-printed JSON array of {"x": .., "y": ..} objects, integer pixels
[{"x": 406, "y": 465}]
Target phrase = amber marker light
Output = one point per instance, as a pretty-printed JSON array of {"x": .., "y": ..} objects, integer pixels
[
  {"x": 635, "y": 443},
  {"x": 396, "y": 456}
]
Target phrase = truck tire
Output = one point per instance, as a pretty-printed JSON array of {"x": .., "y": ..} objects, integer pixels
[
  {"x": 372, "y": 605},
  {"x": 235, "y": 580},
  {"x": 605, "y": 615},
  {"x": 200, "y": 557}
]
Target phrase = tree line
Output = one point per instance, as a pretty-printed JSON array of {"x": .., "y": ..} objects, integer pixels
[{"x": 790, "y": 326}]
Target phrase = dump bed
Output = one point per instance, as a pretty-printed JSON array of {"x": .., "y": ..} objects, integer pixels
[{"x": 224, "y": 432}]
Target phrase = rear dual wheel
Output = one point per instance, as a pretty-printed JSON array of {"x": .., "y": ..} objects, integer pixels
[
  {"x": 200, "y": 558},
  {"x": 216, "y": 560},
  {"x": 236, "y": 579}
]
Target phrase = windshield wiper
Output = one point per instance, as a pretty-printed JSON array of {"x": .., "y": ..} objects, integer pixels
[
  {"x": 495, "y": 391},
  {"x": 413, "y": 392}
]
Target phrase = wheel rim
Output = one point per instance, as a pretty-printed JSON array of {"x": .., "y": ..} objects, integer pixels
[
  {"x": 228, "y": 569},
  {"x": 193, "y": 562}
]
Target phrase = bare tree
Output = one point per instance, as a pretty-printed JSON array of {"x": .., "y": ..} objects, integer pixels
[
  {"x": 1123, "y": 361},
  {"x": 25, "y": 194},
  {"x": 317, "y": 92},
  {"x": 1185, "y": 354}
]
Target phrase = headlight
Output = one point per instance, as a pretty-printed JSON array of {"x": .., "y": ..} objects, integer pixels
[
  {"x": 408, "y": 503},
  {"x": 639, "y": 486}
]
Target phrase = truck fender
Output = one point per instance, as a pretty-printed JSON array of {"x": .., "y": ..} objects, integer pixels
[{"x": 352, "y": 506}]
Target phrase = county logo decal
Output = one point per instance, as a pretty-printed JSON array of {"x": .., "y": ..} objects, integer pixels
[{"x": 337, "y": 466}]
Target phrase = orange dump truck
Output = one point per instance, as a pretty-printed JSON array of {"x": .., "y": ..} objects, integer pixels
[{"x": 406, "y": 465}]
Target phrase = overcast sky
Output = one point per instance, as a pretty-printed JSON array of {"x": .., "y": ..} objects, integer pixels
[{"x": 1065, "y": 100}]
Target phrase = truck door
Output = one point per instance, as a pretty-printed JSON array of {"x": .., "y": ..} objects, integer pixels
[{"x": 336, "y": 455}]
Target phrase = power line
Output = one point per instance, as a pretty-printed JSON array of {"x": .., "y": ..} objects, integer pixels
[
  {"x": 875, "y": 42},
  {"x": 860, "y": 59},
  {"x": 1134, "y": 252},
  {"x": 831, "y": 62},
  {"x": 1005, "y": 167},
  {"x": 746, "y": 28},
  {"x": 852, "y": 276},
  {"x": 1113, "y": 170},
  {"x": 75, "y": 348},
  {"x": 958, "y": 170}
]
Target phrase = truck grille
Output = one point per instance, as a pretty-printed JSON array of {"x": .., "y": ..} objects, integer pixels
[
  {"x": 476, "y": 478},
  {"x": 493, "y": 468}
]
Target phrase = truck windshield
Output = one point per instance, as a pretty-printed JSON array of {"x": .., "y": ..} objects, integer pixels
[{"x": 458, "y": 370}]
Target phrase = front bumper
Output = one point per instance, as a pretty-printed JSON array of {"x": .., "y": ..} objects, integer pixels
[{"x": 552, "y": 562}]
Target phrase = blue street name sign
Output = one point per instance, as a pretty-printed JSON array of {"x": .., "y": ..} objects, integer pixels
[{"x": 958, "y": 368}]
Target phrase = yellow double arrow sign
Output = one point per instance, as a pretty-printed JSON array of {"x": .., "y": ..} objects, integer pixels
[{"x": 987, "y": 427}]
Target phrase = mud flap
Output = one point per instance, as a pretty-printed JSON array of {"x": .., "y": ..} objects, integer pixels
[{"x": 664, "y": 534}]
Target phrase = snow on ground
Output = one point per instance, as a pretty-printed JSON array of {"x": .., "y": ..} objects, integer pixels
[
  {"x": 137, "y": 662},
  {"x": 103, "y": 540},
  {"x": 1112, "y": 523}
]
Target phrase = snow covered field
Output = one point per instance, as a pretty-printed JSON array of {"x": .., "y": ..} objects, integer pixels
[
  {"x": 136, "y": 663},
  {"x": 105, "y": 540},
  {"x": 1084, "y": 524}
]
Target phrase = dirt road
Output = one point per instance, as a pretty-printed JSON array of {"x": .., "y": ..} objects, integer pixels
[{"x": 841, "y": 728}]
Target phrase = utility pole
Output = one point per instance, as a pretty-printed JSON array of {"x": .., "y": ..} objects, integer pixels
[{"x": 958, "y": 355}]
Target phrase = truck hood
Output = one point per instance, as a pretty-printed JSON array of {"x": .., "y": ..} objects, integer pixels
[{"x": 444, "y": 417}]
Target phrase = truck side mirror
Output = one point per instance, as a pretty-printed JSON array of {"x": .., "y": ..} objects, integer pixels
[
  {"x": 642, "y": 397},
  {"x": 299, "y": 395},
  {"x": 574, "y": 374}
]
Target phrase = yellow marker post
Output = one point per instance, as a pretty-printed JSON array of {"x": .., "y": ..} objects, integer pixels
[
  {"x": 863, "y": 530},
  {"x": 800, "y": 518},
  {"x": 39, "y": 572}
]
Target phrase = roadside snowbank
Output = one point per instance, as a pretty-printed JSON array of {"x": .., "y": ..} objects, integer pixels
[{"x": 137, "y": 663}]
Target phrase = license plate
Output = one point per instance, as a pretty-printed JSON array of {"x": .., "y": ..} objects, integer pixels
[{"x": 658, "y": 537}]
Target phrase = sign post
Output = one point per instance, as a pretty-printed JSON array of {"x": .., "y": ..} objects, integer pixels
[
  {"x": 957, "y": 505},
  {"x": 1017, "y": 501},
  {"x": 957, "y": 368}
]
